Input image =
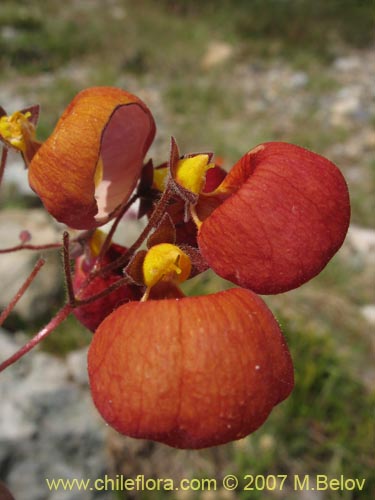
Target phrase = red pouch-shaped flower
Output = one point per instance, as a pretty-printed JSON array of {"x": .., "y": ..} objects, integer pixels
[
  {"x": 92, "y": 161},
  {"x": 191, "y": 372},
  {"x": 284, "y": 212}
]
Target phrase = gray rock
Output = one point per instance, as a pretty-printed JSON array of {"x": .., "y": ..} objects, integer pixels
[
  {"x": 16, "y": 266},
  {"x": 15, "y": 174},
  {"x": 368, "y": 312},
  {"x": 298, "y": 79},
  {"x": 347, "y": 64},
  {"x": 362, "y": 242},
  {"x": 77, "y": 366},
  {"x": 349, "y": 104},
  {"x": 216, "y": 53},
  {"x": 48, "y": 428},
  {"x": 10, "y": 101}
]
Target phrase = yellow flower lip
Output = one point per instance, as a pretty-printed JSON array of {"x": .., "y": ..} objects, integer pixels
[
  {"x": 16, "y": 128},
  {"x": 191, "y": 172},
  {"x": 165, "y": 262},
  {"x": 160, "y": 178}
]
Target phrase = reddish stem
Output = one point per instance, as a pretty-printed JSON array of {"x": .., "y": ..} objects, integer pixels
[
  {"x": 120, "y": 215},
  {"x": 21, "y": 291},
  {"x": 73, "y": 302},
  {"x": 155, "y": 218},
  {"x": 4, "y": 155},
  {"x": 67, "y": 269},
  {"x": 103, "y": 293},
  {"x": 21, "y": 246},
  {"x": 48, "y": 246},
  {"x": 41, "y": 335}
]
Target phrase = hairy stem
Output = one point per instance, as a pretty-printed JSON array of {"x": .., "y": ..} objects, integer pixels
[
  {"x": 155, "y": 218},
  {"x": 103, "y": 293}
]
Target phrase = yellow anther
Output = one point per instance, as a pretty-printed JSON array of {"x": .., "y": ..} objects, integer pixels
[
  {"x": 96, "y": 242},
  {"x": 14, "y": 128},
  {"x": 160, "y": 178},
  {"x": 165, "y": 262},
  {"x": 191, "y": 172}
]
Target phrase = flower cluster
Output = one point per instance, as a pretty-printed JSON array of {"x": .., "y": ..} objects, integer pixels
[{"x": 190, "y": 372}]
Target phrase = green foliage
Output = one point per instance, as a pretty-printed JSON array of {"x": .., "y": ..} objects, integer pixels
[
  {"x": 12, "y": 198},
  {"x": 70, "y": 335},
  {"x": 287, "y": 27},
  {"x": 40, "y": 36},
  {"x": 362, "y": 197},
  {"x": 303, "y": 25},
  {"x": 325, "y": 427},
  {"x": 37, "y": 38}
]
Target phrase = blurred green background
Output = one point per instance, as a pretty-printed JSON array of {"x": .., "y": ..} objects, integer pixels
[{"x": 224, "y": 76}]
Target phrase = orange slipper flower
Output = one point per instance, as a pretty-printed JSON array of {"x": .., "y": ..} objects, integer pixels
[
  {"x": 92, "y": 161},
  {"x": 191, "y": 372},
  {"x": 282, "y": 212}
]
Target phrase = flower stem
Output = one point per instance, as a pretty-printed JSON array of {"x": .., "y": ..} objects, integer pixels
[
  {"x": 67, "y": 269},
  {"x": 21, "y": 291},
  {"x": 42, "y": 334},
  {"x": 155, "y": 218},
  {"x": 22, "y": 246},
  {"x": 120, "y": 215},
  {"x": 48, "y": 246},
  {"x": 103, "y": 293},
  {"x": 4, "y": 155}
]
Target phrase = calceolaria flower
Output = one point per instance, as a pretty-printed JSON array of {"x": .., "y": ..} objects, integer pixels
[
  {"x": 91, "y": 162},
  {"x": 284, "y": 213},
  {"x": 190, "y": 372}
]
